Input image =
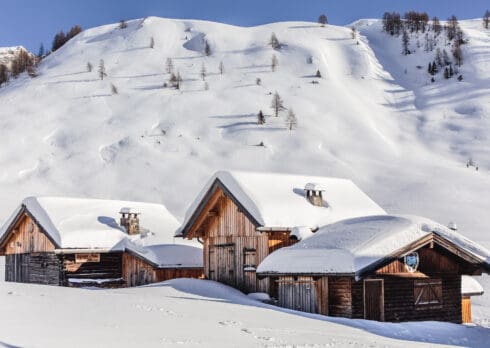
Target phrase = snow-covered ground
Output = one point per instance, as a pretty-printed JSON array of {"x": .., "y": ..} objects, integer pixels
[
  {"x": 401, "y": 139},
  {"x": 193, "y": 313},
  {"x": 374, "y": 118}
]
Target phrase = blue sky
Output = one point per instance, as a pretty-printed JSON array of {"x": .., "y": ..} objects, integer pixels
[{"x": 30, "y": 22}]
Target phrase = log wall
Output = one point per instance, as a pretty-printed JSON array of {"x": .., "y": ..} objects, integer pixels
[
  {"x": 340, "y": 296},
  {"x": 39, "y": 268},
  {"x": 108, "y": 268}
]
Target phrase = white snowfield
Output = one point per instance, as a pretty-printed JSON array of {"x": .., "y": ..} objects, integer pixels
[
  {"x": 80, "y": 223},
  {"x": 195, "y": 313},
  {"x": 352, "y": 245},
  {"x": 278, "y": 200}
]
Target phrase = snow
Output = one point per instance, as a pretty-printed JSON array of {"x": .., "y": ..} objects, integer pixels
[
  {"x": 93, "y": 224},
  {"x": 278, "y": 200},
  {"x": 171, "y": 255},
  {"x": 190, "y": 312},
  {"x": 470, "y": 286},
  {"x": 403, "y": 140},
  {"x": 301, "y": 232},
  {"x": 349, "y": 246}
]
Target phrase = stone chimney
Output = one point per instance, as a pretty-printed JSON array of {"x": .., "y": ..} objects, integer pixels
[
  {"x": 130, "y": 221},
  {"x": 314, "y": 194}
]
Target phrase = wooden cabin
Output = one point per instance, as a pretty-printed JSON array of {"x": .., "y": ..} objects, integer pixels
[
  {"x": 242, "y": 217},
  {"x": 80, "y": 242},
  {"x": 385, "y": 268}
]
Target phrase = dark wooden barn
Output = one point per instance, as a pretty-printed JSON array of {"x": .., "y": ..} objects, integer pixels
[
  {"x": 242, "y": 217},
  {"x": 79, "y": 242},
  {"x": 384, "y": 268}
]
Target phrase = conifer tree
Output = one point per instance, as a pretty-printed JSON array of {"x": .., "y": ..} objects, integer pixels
[
  {"x": 446, "y": 73},
  {"x": 169, "y": 66},
  {"x": 101, "y": 71},
  {"x": 122, "y": 24},
  {"x": 322, "y": 19},
  {"x": 277, "y": 104},
  {"x": 4, "y": 77},
  {"x": 291, "y": 121},
  {"x": 274, "y": 42},
  {"x": 405, "y": 43},
  {"x": 260, "y": 118},
  {"x": 458, "y": 55},
  {"x": 89, "y": 67},
  {"x": 203, "y": 72},
  {"x": 152, "y": 42},
  {"x": 274, "y": 63},
  {"x": 207, "y": 48},
  {"x": 318, "y": 74},
  {"x": 436, "y": 25},
  {"x": 486, "y": 19},
  {"x": 40, "y": 53},
  {"x": 221, "y": 68}
]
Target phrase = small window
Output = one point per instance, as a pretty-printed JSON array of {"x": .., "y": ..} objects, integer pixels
[{"x": 428, "y": 293}]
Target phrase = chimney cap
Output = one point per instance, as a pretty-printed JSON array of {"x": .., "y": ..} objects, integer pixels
[
  {"x": 311, "y": 186},
  {"x": 452, "y": 225},
  {"x": 128, "y": 210}
]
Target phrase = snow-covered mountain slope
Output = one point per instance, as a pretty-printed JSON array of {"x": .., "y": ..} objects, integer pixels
[
  {"x": 403, "y": 140},
  {"x": 196, "y": 313}
]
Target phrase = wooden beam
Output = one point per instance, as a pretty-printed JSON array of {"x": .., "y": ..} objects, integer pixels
[{"x": 217, "y": 194}]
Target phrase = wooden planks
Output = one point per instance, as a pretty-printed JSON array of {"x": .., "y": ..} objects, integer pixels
[
  {"x": 373, "y": 299},
  {"x": 27, "y": 237},
  {"x": 233, "y": 248},
  {"x": 109, "y": 267},
  {"x": 136, "y": 271},
  {"x": 298, "y": 293},
  {"x": 322, "y": 295},
  {"x": 39, "y": 268},
  {"x": 466, "y": 309}
]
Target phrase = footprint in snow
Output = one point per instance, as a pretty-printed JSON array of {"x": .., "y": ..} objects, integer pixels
[{"x": 229, "y": 323}]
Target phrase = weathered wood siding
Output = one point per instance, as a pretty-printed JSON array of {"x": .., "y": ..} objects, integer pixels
[
  {"x": 322, "y": 295},
  {"x": 39, "y": 268},
  {"x": 233, "y": 248},
  {"x": 109, "y": 267},
  {"x": 26, "y": 237},
  {"x": 298, "y": 293},
  {"x": 340, "y": 296},
  {"x": 137, "y": 272},
  {"x": 466, "y": 309},
  {"x": 400, "y": 297}
]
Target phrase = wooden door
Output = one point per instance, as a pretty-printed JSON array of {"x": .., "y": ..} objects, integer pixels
[
  {"x": 298, "y": 294},
  {"x": 222, "y": 266},
  {"x": 373, "y": 299}
]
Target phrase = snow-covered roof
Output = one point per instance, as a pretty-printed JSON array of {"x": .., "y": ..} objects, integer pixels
[
  {"x": 470, "y": 286},
  {"x": 278, "y": 200},
  {"x": 350, "y": 246},
  {"x": 80, "y": 223},
  {"x": 171, "y": 255}
]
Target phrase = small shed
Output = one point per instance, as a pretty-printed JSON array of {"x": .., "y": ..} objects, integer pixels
[
  {"x": 81, "y": 242},
  {"x": 386, "y": 268},
  {"x": 241, "y": 217}
]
